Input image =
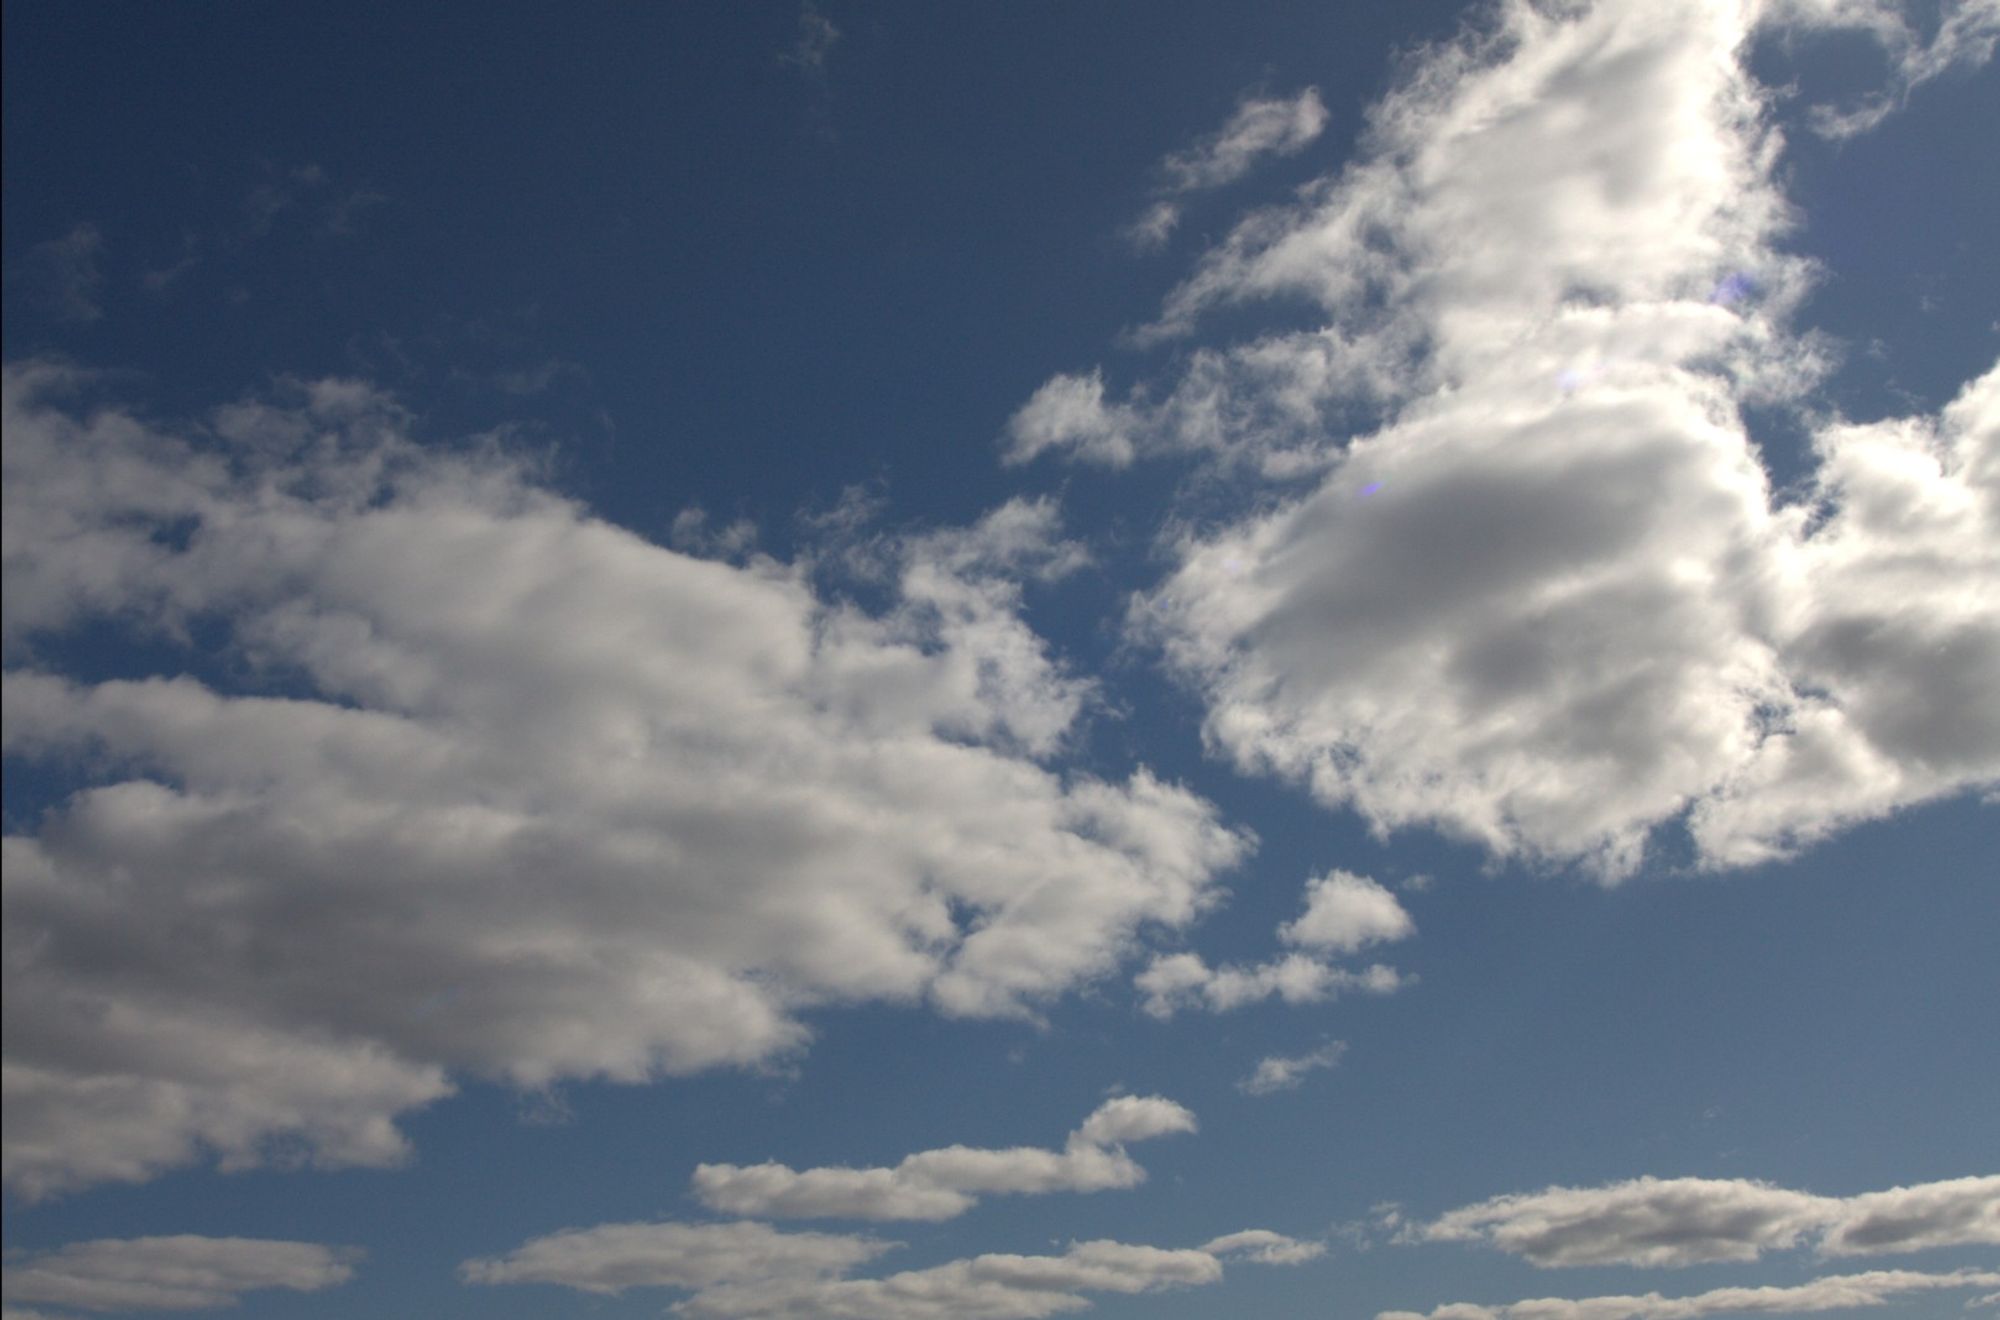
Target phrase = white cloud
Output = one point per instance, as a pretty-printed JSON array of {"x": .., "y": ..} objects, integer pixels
[
  {"x": 1172, "y": 982},
  {"x": 1344, "y": 912},
  {"x": 750, "y": 1272},
  {"x": 943, "y": 1183},
  {"x": 183, "y": 1273},
  {"x": 1965, "y": 36},
  {"x": 512, "y": 792},
  {"x": 613, "y": 1257},
  {"x": 1836, "y": 1292},
  {"x": 1688, "y": 1221},
  {"x": 1259, "y": 127},
  {"x": 1528, "y": 581},
  {"x": 1283, "y": 1072}
]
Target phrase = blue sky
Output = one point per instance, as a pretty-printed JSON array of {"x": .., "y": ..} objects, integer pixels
[{"x": 913, "y": 661}]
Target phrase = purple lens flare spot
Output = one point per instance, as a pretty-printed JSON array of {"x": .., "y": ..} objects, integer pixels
[
  {"x": 1370, "y": 489},
  {"x": 1733, "y": 289}
]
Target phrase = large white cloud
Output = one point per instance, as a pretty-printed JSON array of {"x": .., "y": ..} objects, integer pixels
[
  {"x": 1529, "y": 581},
  {"x": 474, "y": 782},
  {"x": 747, "y": 1271},
  {"x": 184, "y": 1273},
  {"x": 943, "y": 1183},
  {"x": 1833, "y": 1293},
  {"x": 1691, "y": 1221}
]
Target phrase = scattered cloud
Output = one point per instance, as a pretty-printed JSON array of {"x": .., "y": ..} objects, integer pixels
[
  {"x": 1260, "y": 127},
  {"x": 1672, "y": 1222},
  {"x": 1172, "y": 982},
  {"x": 1280, "y": 1072},
  {"x": 1836, "y": 1292},
  {"x": 747, "y": 1271},
  {"x": 1512, "y": 566},
  {"x": 62, "y": 274},
  {"x": 1344, "y": 913},
  {"x": 945, "y": 1183},
  {"x": 510, "y": 793},
  {"x": 184, "y": 1273}
]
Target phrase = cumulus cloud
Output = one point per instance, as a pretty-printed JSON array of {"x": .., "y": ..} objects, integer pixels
[
  {"x": 1523, "y": 576},
  {"x": 477, "y": 783},
  {"x": 944, "y": 1183},
  {"x": 184, "y": 1273},
  {"x": 1344, "y": 912},
  {"x": 1260, "y": 127},
  {"x": 748, "y": 1271},
  {"x": 1689, "y": 1221},
  {"x": 1282, "y": 1072},
  {"x": 1835, "y": 1292}
]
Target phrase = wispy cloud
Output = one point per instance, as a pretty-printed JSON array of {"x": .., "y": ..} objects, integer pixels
[
  {"x": 1260, "y": 127},
  {"x": 63, "y": 276},
  {"x": 1286, "y": 1072},
  {"x": 814, "y": 43}
]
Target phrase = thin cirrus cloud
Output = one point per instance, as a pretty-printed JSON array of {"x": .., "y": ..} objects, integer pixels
[
  {"x": 749, "y": 1271},
  {"x": 945, "y": 1183},
  {"x": 1512, "y": 565},
  {"x": 1832, "y": 1293},
  {"x": 1343, "y": 913},
  {"x": 182, "y": 1273},
  {"x": 1261, "y": 126},
  {"x": 1673, "y": 1222},
  {"x": 514, "y": 793},
  {"x": 1287, "y": 1072}
]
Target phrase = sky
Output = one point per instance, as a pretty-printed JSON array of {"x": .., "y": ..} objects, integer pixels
[{"x": 905, "y": 661}]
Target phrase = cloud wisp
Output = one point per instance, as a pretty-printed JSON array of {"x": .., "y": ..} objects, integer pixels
[
  {"x": 749, "y": 1271},
  {"x": 502, "y": 789},
  {"x": 1511, "y": 565},
  {"x": 1287, "y": 1072},
  {"x": 944, "y": 1183},
  {"x": 1261, "y": 126},
  {"x": 183, "y": 1273},
  {"x": 1672, "y": 1222}
]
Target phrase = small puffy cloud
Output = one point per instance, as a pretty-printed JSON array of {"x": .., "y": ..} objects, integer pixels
[
  {"x": 1282, "y": 1072},
  {"x": 751, "y": 1272},
  {"x": 944, "y": 1183},
  {"x": 1688, "y": 1221},
  {"x": 1069, "y": 414},
  {"x": 1172, "y": 982},
  {"x": 1833, "y": 1293},
  {"x": 1345, "y": 912},
  {"x": 183, "y": 1273},
  {"x": 507, "y": 791},
  {"x": 814, "y": 42}
]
